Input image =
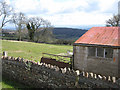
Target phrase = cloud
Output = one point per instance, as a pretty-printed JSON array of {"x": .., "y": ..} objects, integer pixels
[
  {"x": 92, "y": 7},
  {"x": 108, "y": 6},
  {"x": 68, "y": 12},
  {"x": 78, "y": 18}
]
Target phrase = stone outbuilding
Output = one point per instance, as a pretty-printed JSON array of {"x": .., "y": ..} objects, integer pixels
[{"x": 98, "y": 51}]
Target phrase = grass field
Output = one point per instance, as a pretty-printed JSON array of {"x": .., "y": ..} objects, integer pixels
[{"x": 31, "y": 51}]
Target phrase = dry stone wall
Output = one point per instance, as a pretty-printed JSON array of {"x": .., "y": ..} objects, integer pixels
[
  {"x": 37, "y": 75},
  {"x": 41, "y": 75}
]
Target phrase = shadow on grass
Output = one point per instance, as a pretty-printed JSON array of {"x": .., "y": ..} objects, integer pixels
[{"x": 7, "y": 83}]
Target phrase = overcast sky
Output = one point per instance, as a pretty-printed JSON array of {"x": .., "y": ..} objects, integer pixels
[{"x": 68, "y": 12}]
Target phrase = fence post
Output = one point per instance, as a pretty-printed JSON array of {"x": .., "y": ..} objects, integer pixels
[
  {"x": 72, "y": 61},
  {"x": 5, "y": 54}
]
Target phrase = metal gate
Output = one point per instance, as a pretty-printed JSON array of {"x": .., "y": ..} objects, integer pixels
[{"x": 58, "y": 60}]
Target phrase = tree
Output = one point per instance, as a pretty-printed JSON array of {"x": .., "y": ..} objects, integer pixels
[
  {"x": 114, "y": 21},
  {"x": 31, "y": 30},
  {"x": 19, "y": 20},
  {"x": 44, "y": 34},
  {"x": 36, "y": 24},
  {"x": 5, "y": 12}
]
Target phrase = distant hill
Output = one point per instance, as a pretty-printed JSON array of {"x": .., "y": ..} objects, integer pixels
[
  {"x": 8, "y": 31},
  {"x": 68, "y": 33},
  {"x": 59, "y": 33}
]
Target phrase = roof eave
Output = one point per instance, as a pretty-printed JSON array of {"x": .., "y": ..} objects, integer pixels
[{"x": 95, "y": 45}]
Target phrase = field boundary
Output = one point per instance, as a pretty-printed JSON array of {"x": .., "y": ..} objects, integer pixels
[{"x": 44, "y": 75}]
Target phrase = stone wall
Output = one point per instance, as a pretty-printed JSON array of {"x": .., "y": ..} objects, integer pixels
[
  {"x": 41, "y": 75},
  {"x": 102, "y": 66},
  {"x": 37, "y": 75}
]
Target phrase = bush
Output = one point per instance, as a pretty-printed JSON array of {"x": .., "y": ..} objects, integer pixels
[{"x": 65, "y": 42}]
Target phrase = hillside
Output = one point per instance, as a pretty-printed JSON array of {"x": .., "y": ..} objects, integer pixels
[
  {"x": 68, "y": 33},
  {"x": 59, "y": 33}
]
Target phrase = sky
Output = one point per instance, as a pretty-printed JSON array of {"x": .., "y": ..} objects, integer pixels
[{"x": 62, "y": 13}]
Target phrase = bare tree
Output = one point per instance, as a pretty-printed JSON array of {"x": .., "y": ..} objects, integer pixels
[
  {"x": 44, "y": 34},
  {"x": 35, "y": 24},
  {"x": 19, "y": 20},
  {"x": 5, "y": 12},
  {"x": 114, "y": 21}
]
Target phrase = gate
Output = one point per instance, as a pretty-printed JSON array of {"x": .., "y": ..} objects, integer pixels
[{"x": 58, "y": 60}]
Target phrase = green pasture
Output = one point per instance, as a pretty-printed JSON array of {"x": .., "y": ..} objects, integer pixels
[{"x": 30, "y": 51}]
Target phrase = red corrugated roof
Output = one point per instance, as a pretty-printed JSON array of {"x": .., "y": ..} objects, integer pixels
[{"x": 101, "y": 36}]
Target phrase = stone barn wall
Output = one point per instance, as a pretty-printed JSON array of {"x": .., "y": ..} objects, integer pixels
[{"x": 102, "y": 66}]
